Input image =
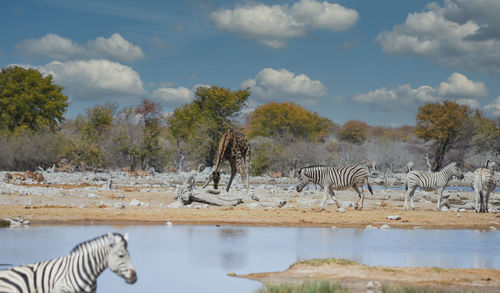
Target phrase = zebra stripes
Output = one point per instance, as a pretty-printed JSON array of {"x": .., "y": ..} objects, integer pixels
[
  {"x": 75, "y": 272},
  {"x": 483, "y": 183},
  {"x": 430, "y": 181},
  {"x": 330, "y": 178}
]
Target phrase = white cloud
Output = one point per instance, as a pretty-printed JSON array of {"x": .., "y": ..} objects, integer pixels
[
  {"x": 115, "y": 48},
  {"x": 494, "y": 108},
  {"x": 458, "y": 87},
  {"x": 273, "y": 25},
  {"x": 174, "y": 96},
  {"x": 283, "y": 85},
  {"x": 51, "y": 46},
  {"x": 463, "y": 33},
  {"x": 95, "y": 79},
  {"x": 55, "y": 47}
]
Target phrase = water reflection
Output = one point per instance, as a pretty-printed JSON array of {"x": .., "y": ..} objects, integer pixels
[{"x": 198, "y": 258}]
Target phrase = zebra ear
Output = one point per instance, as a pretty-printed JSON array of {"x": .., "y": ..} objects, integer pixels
[
  {"x": 125, "y": 236},
  {"x": 111, "y": 239}
]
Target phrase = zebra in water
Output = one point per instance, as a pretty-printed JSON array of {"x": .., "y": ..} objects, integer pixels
[
  {"x": 483, "y": 183},
  {"x": 431, "y": 181},
  {"x": 330, "y": 178},
  {"x": 75, "y": 272}
]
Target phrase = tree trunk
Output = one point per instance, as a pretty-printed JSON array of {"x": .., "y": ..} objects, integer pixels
[
  {"x": 187, "y": 195},
  {"x": 440, "y": 152}
]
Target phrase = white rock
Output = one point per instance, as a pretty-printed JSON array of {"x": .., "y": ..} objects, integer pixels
[
  {"x": 492, "y": 228},
  {"x": 395, "y": 217},
  {"x": 134, "y": 202},
  {"x": 369, "y": 227},
  {"x": 169, "y": 224},
  {"x": 341, "y": 210},
  {"x": 385, "y": 227},
  {"x": 118, "y": 205},
  {"x": 92, "y": 195}
]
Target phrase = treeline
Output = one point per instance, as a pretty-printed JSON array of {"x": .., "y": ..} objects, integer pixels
[{"x": 283, "y": 136}]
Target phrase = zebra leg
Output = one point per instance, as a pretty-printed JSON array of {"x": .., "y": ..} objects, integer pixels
[
  {"x": 478, "y": 194},
  {"x": 332, "y": 194},
  {"x": 486, "y": 199},
  {"x": 323, "y": 201},
  {"x": 440, "y": 192},
  {"x": 361, "y": 195},
  {"x": 410, "y": 193}
]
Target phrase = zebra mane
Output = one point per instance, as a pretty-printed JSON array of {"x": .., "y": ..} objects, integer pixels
[
  {"x": 448, "y": 164},
  {"x": 312, "y": 166},
  {"x": 81, "y": 245}
]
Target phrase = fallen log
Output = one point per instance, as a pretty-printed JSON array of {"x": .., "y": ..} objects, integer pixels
[{"x": 187, "y": 194}]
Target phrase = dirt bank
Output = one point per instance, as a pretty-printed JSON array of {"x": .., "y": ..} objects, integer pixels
[{"x": 356, "y": 277}]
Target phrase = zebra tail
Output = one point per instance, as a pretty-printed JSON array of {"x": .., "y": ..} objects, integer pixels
[{"x": 369, "y": 186}]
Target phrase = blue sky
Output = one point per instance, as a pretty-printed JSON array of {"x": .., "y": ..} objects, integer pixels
[{"x": 375, "y": 61}]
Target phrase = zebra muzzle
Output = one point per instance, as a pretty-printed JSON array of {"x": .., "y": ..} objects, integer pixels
[{"x": 133, "y": 277}]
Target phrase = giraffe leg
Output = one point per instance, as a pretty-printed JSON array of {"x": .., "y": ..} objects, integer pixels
[
  {"x": 232, "y": 164},
  {"x": 247, "y": 167}
]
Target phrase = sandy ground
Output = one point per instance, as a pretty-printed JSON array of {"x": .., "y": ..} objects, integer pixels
[
  {"x": 80, "y": 199},
  {"x": 361, "y": 278}
]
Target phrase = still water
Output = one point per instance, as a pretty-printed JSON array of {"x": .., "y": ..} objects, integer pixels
[{"x": 198, "y": 258}]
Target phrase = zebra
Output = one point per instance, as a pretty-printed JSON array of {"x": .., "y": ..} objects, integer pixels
[
  {"x": 330, "y": 178},
  {"x": 431, "y": 181},
  {"x": 75, "y": 272},
  {"x": 483, "y": 183}
]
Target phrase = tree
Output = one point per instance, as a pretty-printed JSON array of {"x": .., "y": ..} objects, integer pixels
[
  {"x": 198, "y": 126},
  {"x": 28, "y": 100},
  {"x": 99, "y": 119},
  {"x": 354, "y": 131},
  {"x": 151, "y": 116},
  {"x": 442, "y": 123},
  {"x": 290, "y": 121}
]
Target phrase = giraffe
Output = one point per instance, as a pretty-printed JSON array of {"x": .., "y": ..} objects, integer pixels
[{"x": 235, "y": 148}]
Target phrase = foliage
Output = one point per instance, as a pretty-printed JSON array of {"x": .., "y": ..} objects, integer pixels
[
  {"x": 319, "y": 286},
  {"x": 29, "y": 101},
  {"x": 26, "y": 150},
  {"x": 441, "y": 123},
  {"x": 99, "y": 119},
  {"x": 290, "y": 121},
  {"x": 198, "y": 126},
  {"x": 354, "y": 131},
  {"x": 414, "y": 289},
  {"x": 4, "y": 223},
  {"x": 152, "y": 117},
  {"x": 326, "y": 261}
]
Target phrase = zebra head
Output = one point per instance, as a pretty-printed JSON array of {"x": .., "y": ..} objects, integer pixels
[
  {"x": 119, "y": 259},
  {"x": 454, "y": 168},
  {"x": 303, "y": 180}
]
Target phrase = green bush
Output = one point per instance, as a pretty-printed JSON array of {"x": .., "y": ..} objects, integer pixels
[{"x": 320, "y": 286}]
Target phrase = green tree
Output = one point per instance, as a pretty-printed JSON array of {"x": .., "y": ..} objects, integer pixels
[
  {"x": 151, "y": 116},
  {"x": 199, "y": 125},
  {"x": 28, "y": 100},
  {"x": 288, "y": 121},
  {"x": 99, "y": 119},
  {"x": 354, "y": 131},
  {"x": 442, "y": 123}
]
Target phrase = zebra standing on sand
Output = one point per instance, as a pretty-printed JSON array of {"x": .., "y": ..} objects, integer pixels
[
  {"x": 483, "y": 183},
  {"x": 75, "y": 272},
  {"x": 330, "y": 178},
  {"x": 431, "y": 181}
]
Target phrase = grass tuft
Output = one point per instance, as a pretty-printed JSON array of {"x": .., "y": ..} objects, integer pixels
[
  {"x": 306, "y": 287},
  {"x": 326, "y": 261},
  {"x": 412, "y": 289},
  {"x": 4, "y": 223}
]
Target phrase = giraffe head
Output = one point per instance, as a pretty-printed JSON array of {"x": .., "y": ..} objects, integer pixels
[{"x": 215, "y": 176}]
